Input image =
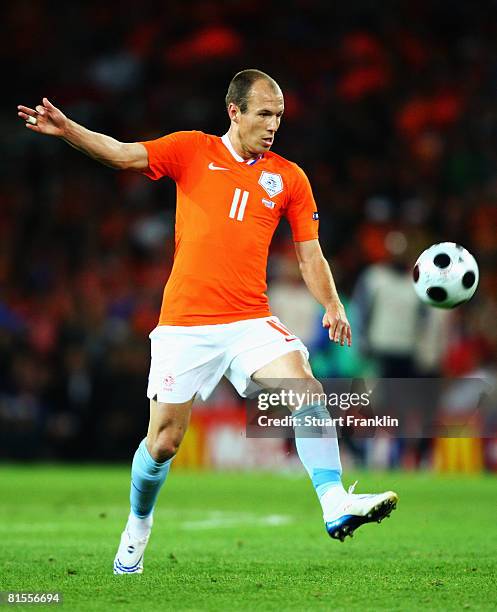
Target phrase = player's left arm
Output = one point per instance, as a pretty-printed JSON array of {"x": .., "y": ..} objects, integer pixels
[{"x": 317, "y": 275}]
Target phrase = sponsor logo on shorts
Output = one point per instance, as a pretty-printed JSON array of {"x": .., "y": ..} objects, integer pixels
[
  {"x": 278, "y": 326},
  {"x": 168, "y": 382}
]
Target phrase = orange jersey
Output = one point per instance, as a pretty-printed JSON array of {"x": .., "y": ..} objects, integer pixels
[{"x": 227, "y": 212}]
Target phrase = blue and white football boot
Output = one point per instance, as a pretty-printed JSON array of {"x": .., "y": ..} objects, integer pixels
[
  {"x": 356, "y": 510},
  {"x": 129, "y": 556}
]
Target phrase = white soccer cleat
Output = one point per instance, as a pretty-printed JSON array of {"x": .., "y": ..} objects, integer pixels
[
  {"x": 129, "y": 556},
  {"x": 356, "y": 510}
]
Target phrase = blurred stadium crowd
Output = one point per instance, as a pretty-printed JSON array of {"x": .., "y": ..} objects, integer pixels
[{"x": 392, "y": 113}]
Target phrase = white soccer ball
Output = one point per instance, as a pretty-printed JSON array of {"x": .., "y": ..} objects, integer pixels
[{"x": 445, "y": 275}]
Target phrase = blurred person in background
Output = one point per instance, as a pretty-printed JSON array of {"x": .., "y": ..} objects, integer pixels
[
  {"x": 389, "y": 314},
  {"x": 403, "y": 337}
]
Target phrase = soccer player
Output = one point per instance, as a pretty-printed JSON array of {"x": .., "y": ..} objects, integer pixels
[{"x": 215, "y": 318}]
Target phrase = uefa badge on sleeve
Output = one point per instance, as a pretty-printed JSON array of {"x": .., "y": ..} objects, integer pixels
[{"x": 315, "y": 216}]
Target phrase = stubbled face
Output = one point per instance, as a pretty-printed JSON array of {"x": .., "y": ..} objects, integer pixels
[{"x": 258, "y": 125}]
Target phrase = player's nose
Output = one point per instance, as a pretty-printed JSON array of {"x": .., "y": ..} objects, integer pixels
[{"x": 273, "y": 124}]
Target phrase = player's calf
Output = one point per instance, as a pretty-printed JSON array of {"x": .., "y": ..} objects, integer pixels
[{"x": 147, "y": 478}]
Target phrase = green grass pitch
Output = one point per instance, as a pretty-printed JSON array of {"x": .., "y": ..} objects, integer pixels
[{"x": 235, "y": 541}]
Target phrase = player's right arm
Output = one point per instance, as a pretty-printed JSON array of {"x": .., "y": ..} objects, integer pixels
[{"x": 106, "y": 150}]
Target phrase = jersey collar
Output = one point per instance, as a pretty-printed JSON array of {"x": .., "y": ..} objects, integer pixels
[{"x": 238, "y": 158}]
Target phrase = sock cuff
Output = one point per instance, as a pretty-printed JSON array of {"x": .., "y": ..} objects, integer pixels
[
  {"x": 323, "y": 476},
  {"x": 149, "y": 460}
]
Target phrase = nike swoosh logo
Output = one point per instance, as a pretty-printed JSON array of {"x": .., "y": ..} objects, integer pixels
[
  {"x": 213, "y": 167},
  {"x": 290, "y": 339}
]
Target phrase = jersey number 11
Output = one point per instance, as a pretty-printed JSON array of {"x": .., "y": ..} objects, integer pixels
[{"x": 237, "y": 212}]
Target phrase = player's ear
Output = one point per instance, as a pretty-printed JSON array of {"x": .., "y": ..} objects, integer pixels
[{"x": 233, "y": 112}]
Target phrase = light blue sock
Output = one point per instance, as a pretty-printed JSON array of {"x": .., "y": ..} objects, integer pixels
[
  {"x": 317, "y": 448},
  {"x": 147, "y": 478}
]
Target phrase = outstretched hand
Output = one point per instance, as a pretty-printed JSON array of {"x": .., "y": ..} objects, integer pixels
[
  {"x": 44, "y": 119},
  {"x": 335, "y": 320}
]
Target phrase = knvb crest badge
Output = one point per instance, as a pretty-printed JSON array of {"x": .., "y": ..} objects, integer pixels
[{"x": 271, "y": 183}]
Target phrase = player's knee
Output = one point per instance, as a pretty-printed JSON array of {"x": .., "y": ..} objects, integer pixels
[
  {"x": 314, "y": 386},
  {"x": 165, "y": 446},
  {"x": 309, "y": 391},
  {"x": 162, "y": 451},
  {"x": 309, "y": 385}
]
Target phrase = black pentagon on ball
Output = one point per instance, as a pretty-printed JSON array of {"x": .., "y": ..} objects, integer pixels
[
  {"x": 415, "y": 273},
  {"x": 437, "y": 294},
  {"x": 442, "y": 260},
  {"x": 468, "y": 280}
]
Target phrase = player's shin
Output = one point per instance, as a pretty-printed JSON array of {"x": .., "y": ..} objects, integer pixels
[
  {"x": 317, "y": 447},
  {"x": 147, "y": 478}
]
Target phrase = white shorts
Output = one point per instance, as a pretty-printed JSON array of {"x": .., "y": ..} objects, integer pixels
[{"x": 189, "y": 360}]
